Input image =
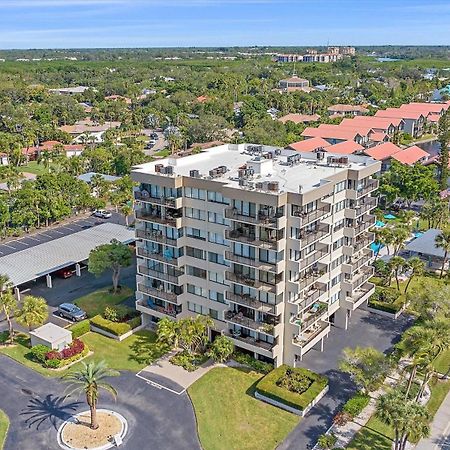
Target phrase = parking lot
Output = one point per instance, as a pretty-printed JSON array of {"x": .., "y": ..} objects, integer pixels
[{"x": 50, "y": 234}]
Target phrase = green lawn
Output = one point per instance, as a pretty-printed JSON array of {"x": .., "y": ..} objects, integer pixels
[
  {"x": 229, "y": 417},
  {"x": 4, "y": 425},
  {"x": 439, "y": 390},
  {"x": 162, "y": 153},
  {"x": 34, "y": 167},
  {"x": 133, "y": 353},
  {"x": 442, "y": 362},
  {"x": 96, "y": 302},
  {"x": 375, "y": 435}
]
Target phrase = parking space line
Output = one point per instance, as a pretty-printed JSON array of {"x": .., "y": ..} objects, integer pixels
[
  {"x": 46, "y": 235},
  {"x": 159, "y": 386},
  {"x": 56, "y": 231},
  {"x": 33, "y": 238},
  {"x": 6, "y": 245}
]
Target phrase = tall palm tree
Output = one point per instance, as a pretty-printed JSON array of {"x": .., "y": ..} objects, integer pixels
[
  {"x": 167, "y": 332},
  {"x": 399, "y": 236},
  {"x": 89, "y": 380},
  {"x": 442, "y": 240},
  {"x": 34, "y": 312},
  {"x": 126, "y": 210},
  {"x": 396, "y": 264},
  {"x": 8, "y": 303},
  {"x": 417, "y": 267}
]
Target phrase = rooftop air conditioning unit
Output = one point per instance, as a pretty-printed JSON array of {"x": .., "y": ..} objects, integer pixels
[
  {"x": 168, "y": 170},
  {"x": 259, "y": 185},
  {"x": 242, "y": 182},
  {"x": 158, "y": 168},
  {"x": 194, "y": 173},
  {"x": 273, "y": 186}
]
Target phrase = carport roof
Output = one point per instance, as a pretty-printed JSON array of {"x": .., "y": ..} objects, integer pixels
[{"x": 31, "y": 263}]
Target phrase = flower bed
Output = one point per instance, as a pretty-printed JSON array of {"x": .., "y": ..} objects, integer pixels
[
  {"x": 189, "y": 362},
  {"x": 54, "y": 359},
  {"x": 294, "y": 389}
]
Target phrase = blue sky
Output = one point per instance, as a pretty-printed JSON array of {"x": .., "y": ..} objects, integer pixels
[{"x": 161, "y": 23}]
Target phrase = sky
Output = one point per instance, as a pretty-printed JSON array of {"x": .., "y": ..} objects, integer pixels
[{"x": 179, "y": 23}]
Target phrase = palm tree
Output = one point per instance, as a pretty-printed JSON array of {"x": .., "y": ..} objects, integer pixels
[
  {"x": 8, "y": 303},
  {"x": 417, "y": 267},
  {"x": 396, "y": 265},
  {"x": 126, "y": 210},
  {"x": 34, "y": 312},
  {"x": 89, "y": 380},
  {"x": 442, "y": 240},
  {"x": 399, "y": 235},
  {"x": 167, "y": 332}
]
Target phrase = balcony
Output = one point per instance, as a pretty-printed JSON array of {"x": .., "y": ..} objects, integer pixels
[
  {"x": 310, "y": 337},
  {"x": 158, "y": 293},
  {"x": 158, "y": 256},
  {"x": 310, "y": 316},
  {"x": 147, "y": 307},
  {"x": 313, "y": 293},
  {"x": 250, "y": 239},
  {"x": 155, "y": 236},
  {"x": 308, "y": 237},
  {"x": 248, "y": 342},
  {"x": 363, "y": 241},
  {"x": 357, "y": 211},
  {"x": 354, "y": 231},
  {"x": 250, "y": 302},
  {"x": 359, "y": 278},
  {"x": 246, "y": 322},
  {"x": 311, "y": 259},
  {"x": 168, "y": 219},
  {"x": 357, "y": 261},
  {"x": 270, "y": 220},
  {"x": 309, "y": 278},
  {"x": 174, "y": 279},
  {"x": 172, "y": 202},
  {"x": 260, "y": 265},
  {"x": 307, "y": 217},
  {"x": 360, "y": 296},
  {"x": 370, "y": 186},
  {"x": 244, "y": 280}
]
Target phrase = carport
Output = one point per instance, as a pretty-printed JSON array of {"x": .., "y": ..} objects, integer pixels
[{"x": 44, "y": 259}]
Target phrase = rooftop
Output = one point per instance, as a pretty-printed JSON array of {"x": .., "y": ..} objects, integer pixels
[
  {"x": 309, "y": 145},
  {"x": 410, "y": 155},
  {"x": 291, "y": 170},
  {"x": 426, "y": 245},
  {"x": 51, "y": 332},
  {"x": 382, "y": 151}
]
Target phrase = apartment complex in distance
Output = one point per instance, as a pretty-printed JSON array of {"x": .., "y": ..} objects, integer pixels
[
  {"x": 269, "y": 242},
  {"x": 332, "y": 54}
]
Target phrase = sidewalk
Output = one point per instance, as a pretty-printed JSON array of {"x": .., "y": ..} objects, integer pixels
[{"x": 440, "y": 429}]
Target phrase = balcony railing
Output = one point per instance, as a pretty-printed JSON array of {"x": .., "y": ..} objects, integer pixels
[
  {"x": 156, "y": 236},
  {"x": 366, "y": 206},
  {"x": 360, "y": 278},
  {"x": 318, "y": 254},
  {"x": 307, "y": 336},
  {"x": 308, "y": 237},
  {"x": 161, "y": 275},
  {"x": 250, "y": 302},
  {"x": 258, "y": 284},
  {"x": 156, "y": 256},
  {"x": 363, "y": 241},
  {"x": 308, "y": 279},
  {"x": 240, "y": 319},
  {"x": 158, "y": 218},
  {"x": 370, "y": 186},
  {"x": 260, "y": 265},
  {"x": 356, "y": 263},
  {"x": 307, "y": 217},
  {"x": 158, "y": 293},
  {"x": 313, "y": 314},
  {"x": 251, "y": 340},
  {"x": 171, "y": 312},
  {"x": 269, "y": 220},
  {"x": 250, "y": 239},
  {"x": 166, "y": 201}
]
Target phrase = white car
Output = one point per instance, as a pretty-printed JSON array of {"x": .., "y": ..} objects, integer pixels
[{"x": 102, "y": 213}]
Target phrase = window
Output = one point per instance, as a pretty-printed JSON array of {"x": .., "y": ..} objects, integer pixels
[
  {"x": 199, "y": 309},
  {"x": 195, "y": 233},
  {"x": 310, "y": 249},
  {"x": 337, "y": 262},
  {"x": 195, "y": 253},
  {"x": 339, "y": 186},
  {"x": 195, "y": 213},
  {"x": 196, "y": 290},
  {"x": 294, "y": 255},
  {"x": 339, "y": 224},
  {"x": 335, "y": 280},
  {"x": 217, "y": 197},
  {"x": 199, "y": 194},
  {"x": 338, "y": 244},
  {"x": 269, "y": 256},
  {"x": 196, "y": 272},
  {"x": 216, "y": 238},
  {"x": 217, "y": 218},
  {"x": 213, "y": 313},
  {"x": 244, "y": 250},
  {"x": 244, "y": 208},
  {"x": 339, "y": 206},
  {"x": 216, "y": 277},
  {"x": 216, "y": 258},
  {"x": 216, "y": 296},
  {"x": 334, "y": 298}
]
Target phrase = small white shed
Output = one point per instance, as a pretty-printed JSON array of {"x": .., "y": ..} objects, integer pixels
[{"x": 51, "y": 336}]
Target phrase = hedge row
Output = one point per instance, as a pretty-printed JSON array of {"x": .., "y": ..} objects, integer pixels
[
  {"x": 387, "y": 307},
  {"x": 267, "y": 386},
  {"x": 356, "y": 404},
  {"x": 80, "y": 328},
  {"x": 115, "y": 328}
]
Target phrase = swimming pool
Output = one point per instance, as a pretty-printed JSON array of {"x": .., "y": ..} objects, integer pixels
[
  {"x": 390, "y": 216},
  {"x": 376, "y": 247},
  {"x": 380, "y": 224},
  {"x": 417, "y": 234}
]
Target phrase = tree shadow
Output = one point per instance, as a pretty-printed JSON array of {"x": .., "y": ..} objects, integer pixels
[{"x": 52, "y": 409}]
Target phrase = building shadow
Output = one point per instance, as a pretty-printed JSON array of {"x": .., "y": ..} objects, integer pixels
[{"x": 51, "y": 409}]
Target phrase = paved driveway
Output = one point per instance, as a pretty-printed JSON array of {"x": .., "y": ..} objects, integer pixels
[
  {"x": 36, "y": 407},
  {"x": 366, "y": 329}
]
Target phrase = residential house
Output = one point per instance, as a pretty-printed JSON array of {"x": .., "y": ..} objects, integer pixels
[
  {"x": 299, "y": 118},
  {"x": 414, "y": 121},
  {"x": 309, "y": 145},
  {"x": 334, "y": 135},
  {"x": 294, "y": 83},
  {"x": 346, "y": 110}
]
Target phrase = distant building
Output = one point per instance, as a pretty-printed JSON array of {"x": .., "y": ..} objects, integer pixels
[
  {"x": 69, "y": 90},
  {"x": 332, "y": 54},
  {"x": 294, "y": 83},
  {"x": 299, "y": 118},
  {"x": 347, "y": 110}
]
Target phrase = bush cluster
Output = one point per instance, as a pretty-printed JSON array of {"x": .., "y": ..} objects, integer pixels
[
  {"x": 385, "y": 299},
  {"x": 80, "y": 328},
  {"x": 115, "y": 328},
  {"x": 255, "y": 364},
  {"x": 54, "y": 358},
  {"x": 297, "y": 382},
  {"x": 356, "y": 404},
  {"x": 189, "y": 362}
]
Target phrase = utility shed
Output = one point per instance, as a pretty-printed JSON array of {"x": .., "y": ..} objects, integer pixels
[{"x": 51, "y": 336}]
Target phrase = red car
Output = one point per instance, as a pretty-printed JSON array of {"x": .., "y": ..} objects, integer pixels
[{"x": 64, "y": 273}]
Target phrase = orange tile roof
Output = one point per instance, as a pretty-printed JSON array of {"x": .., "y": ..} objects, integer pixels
[
  {"x": 433, "y": 118},
  {"x": 379, "y": 137},
  {"x": 426, "y": 107},
  {"x": 382, "y": 151},
  {"x": 309, "y": 145},
  {"x": 410, "y": 155},
  {"x": 401, "y": 113},
  {"x": 202, "y": 98},
  {"x": 363, "y": 130},
  {"x": 299, "y": 118},
  {"x": 377, "y": 122},
  {"x": 48, "y": 145},
  {"x": 331, "y": 133},
  {"x": 345, "y": 148}
]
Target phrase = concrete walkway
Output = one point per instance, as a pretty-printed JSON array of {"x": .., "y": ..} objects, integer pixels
[{"x": 440, "y": 429}]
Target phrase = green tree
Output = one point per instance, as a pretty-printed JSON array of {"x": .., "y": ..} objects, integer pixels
[
  {"x": 444, "y": 141},
  {"x": 221, "y": 349},
  {"x": 366, "y": 366},
  {"x": 167, "y": 332},
  {"x": 112, "y": 256},
  {"x": 396, "y": 265},
  {"x": 399, "y": 235},
  {"x": 89, "y": 380},
  {"x": 34, "y": 312},
  {"x": 442, "y": 241},
  {"x": 430, "y": 303},
  {"x": 417, "y": 267},
  {"x": 8, "y": 304}
]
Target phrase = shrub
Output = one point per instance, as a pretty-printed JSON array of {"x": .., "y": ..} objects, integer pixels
[
  {"x": 221, "y": 349},
  {"x": 297, "y": 382},
  {"x": 134, "y": 322},
  {"x": 356, "y": 404},
  {"x": 268, "y": 387},
  {"x": 52, "y": 363},
  {"x": 327, "y": 441},
  {"x": 385, "y": 299},
  {"x": 110, "y": 313},
  {"x": 73, "y": 349},
  {"x": 341, "y": 418},
  {"x": 53, "y": 354},
  {"x": 39, "y": 352},
  {"x": 115, "y": 328},
  {"x": 189, "y": 362},
  {"x": 80, "y": 328},
  {"x": 255, "y": 364}
]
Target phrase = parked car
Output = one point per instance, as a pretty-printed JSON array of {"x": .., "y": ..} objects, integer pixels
[
  {"x": 154, "y": 136},
  {"x": 64, "y": 273},
  {"x": 71, "y": 312},
  {"x": 102, "y": 213}
]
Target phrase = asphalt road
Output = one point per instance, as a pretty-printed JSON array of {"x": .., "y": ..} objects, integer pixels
[
  {"x": 50, "y": 234},
  {"x": 36, "y": 406}
]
